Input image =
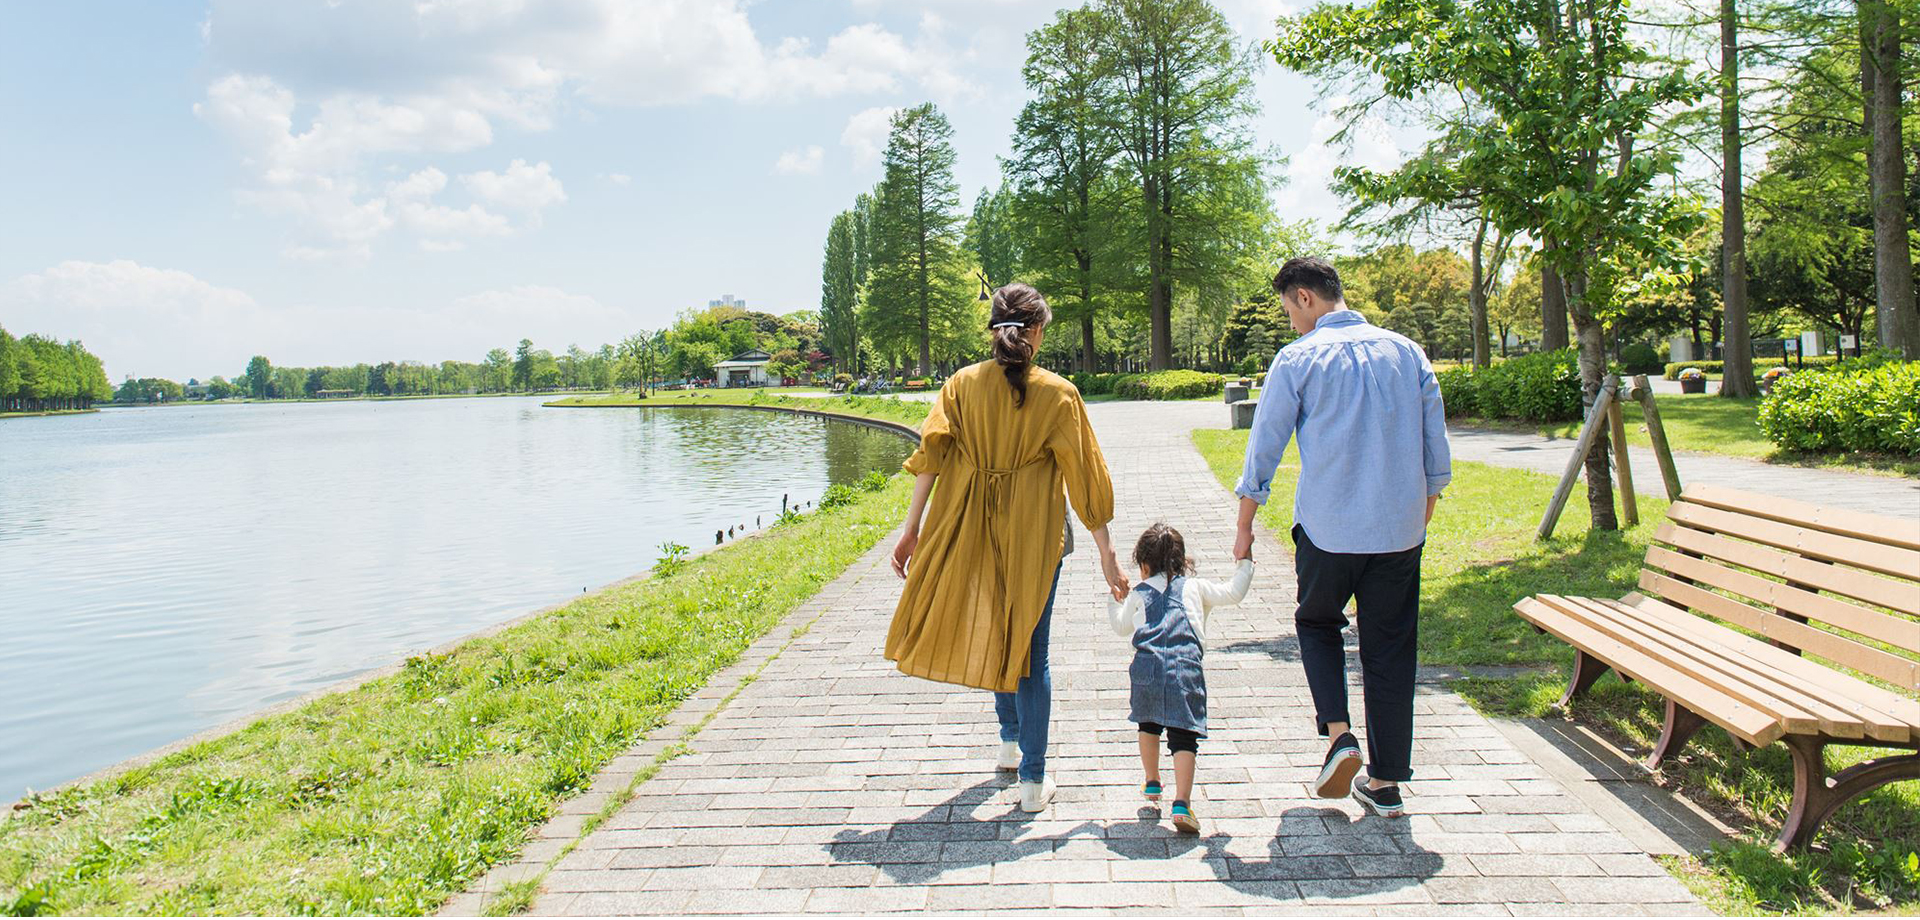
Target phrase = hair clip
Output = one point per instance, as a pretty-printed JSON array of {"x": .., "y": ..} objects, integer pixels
[{"x": 1007, "y": 325}]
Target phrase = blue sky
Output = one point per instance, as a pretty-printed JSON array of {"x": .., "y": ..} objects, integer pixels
[{"x": 331, "y": 181}]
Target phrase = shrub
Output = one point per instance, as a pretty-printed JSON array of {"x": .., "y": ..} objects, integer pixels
[
  {"x": 1540, "y": 387},
  {"x": 1759, "y": 364},
  {"x": 1456, "y": 391},
  {"x": 1640, "y": 358},
  {"x": 1170, "y": 385},
  {"x": 1095, "y": 384},
  {"x": 843, "y": 381},
  {"x": 1860, "y": 405},
  {"x": 837, "y": 495},
  {"x": 874, "y": 481}
]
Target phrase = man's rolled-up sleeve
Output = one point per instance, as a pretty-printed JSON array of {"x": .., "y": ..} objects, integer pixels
[
  {"x": 1273, "y": 423},
  {"x": 1437, "y": 456}
]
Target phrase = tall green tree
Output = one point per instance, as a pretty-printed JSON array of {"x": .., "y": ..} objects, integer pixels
[
  {"x": 916, "y": 240},
  {"x": 1897, "y": 315},
  {"x": 840, "y": 284},
  {"x": 1574, "y": 162},
  {"x": 1178, "y": 96},
  {"x": 990, "y": 236},
  {"x": 259, "y": 377},
  {"x": 523, "y": 365},
  {"x": 1072, "y": 209}
]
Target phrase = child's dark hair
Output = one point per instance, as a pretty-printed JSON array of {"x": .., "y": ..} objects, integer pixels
[{"x": 1162, "y": 551}]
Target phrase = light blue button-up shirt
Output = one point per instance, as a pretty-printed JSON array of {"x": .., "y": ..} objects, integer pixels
[{"x": 1373, "y": 435}]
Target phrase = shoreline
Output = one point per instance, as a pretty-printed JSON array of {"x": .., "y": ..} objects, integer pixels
[{"x": 354, "y": 682}]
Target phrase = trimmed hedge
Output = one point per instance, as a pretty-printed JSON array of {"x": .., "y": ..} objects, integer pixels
[
  {"x": 1541, "y": 387},
  {"x": 1759, "y": 365},
  {"x": 1170, "y": 385},
  {"x": 1095, "y": 384},
  {"x": 1640, "y": 358},
  {"x": 1860, "y": 405}
]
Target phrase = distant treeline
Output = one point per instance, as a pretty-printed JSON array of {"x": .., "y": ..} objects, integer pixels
[
  {"x": 38, "y": 374},
  {"x": 525, "y": 369}
]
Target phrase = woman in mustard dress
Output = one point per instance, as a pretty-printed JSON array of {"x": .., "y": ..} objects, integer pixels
[{"x": 1010, "y": 444}]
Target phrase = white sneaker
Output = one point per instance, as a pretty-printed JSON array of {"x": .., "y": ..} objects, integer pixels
[
  {"x": 1035, "y": 796},
  {"x": 1009, "y": 755}
]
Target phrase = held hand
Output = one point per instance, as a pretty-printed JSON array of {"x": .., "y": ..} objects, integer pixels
[
  {"x": 903, "y": 551},
  {"x": 1116, "y": 582},
  {"x": 1432, "y": 501},
  {"x": 1243, "y": 544}
]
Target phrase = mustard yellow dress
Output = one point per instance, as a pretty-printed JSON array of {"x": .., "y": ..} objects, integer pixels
[{"x": 993, "y": 531}]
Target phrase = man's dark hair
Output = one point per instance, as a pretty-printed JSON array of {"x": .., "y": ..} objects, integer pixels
[{"x": 1313, "y": 273}]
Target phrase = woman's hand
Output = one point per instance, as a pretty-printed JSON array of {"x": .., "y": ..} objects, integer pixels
[
  {"x": 903, "y": 551},
  {"x": 1116, "y": 582}
]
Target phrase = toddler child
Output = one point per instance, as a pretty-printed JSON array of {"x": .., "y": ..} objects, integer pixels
[{"x": 1166, "y": 614}]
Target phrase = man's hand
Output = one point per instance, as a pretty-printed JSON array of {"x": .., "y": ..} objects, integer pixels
[
  {"x": 1432, "y": 500},
  {"x": 1243, "y": 544},
  {"x": 903, "y": 551}
]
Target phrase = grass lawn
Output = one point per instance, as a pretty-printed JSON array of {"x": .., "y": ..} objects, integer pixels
[
  {"x": 1731, "y": 427},
  {"x": 1481, "y": 557},
  {"x": 390, "y": 797}
]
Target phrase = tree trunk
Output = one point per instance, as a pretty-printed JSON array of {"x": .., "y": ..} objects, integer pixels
[
  {"x": 1159, "y": 295},
  {"x": 1593, "y": 371},
  {"x": 1553, "y": 310},
  {"x": 1737, "y": 372},
  {"x": 1086, "y": 314},
  {"x": 1477, "y": 300},
  {"x": 1897, "y": 318}
]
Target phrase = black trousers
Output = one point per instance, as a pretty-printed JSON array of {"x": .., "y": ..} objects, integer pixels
[
  {"x": 1178, "y": 739},
  {"x": 1386, "y": 589}
]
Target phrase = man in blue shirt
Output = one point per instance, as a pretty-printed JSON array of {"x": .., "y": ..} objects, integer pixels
[{"x": 1366, "y": 409}]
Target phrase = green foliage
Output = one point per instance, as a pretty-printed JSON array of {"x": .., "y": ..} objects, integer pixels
[
  {"x": 1457, "y": 391},
  {"x": 1639, "y": 358},
  {"x": 673, "y": 558},
  {"x": 920, "y": 300},
  {"x": 1759, "y": 364},
  {"x": 1541, "y": 387},
  {"x": 1859, "y": 405},
  {"x": 837, "y": 495},
  {"x": 1097, "y": 384},
  {"x": 875, "y": 480},
  {"x": 38, "y": 374},
  {"x": 1169, "y": 385}
]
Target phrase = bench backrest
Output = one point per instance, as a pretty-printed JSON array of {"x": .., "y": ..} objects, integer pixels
[{"x": 1813, "y": 579}]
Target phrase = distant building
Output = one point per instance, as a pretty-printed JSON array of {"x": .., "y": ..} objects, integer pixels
[
  {"x": 746, "y": 369},
  {"x": 727, "y": 300}
]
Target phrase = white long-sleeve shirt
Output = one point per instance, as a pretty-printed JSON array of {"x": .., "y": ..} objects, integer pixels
[{"x": 1200, "y": 596}]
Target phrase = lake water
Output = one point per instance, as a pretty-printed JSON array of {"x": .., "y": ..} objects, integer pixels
[{"x": 165, "y": 570}]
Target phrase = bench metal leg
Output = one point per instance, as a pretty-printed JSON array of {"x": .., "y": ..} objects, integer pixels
[
  {"x": 1681, "y": 724},
  {"x": 1586, "y": 670},
  {"x": 1816, "y": 796}
]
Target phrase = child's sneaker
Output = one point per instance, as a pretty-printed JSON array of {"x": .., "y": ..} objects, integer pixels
[
  {"x": 1035, "y": 796},
  {"x": 1009, "y": 755},
  {"x": 1151, "y": 790},
  {"x": 1384, "y": 801},
  {"x": 1343, "y": 761},
  {"x": 1185, "y": 819}
]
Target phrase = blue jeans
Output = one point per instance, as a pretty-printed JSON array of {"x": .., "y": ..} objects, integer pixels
[{"x": 1026, "y": 712}]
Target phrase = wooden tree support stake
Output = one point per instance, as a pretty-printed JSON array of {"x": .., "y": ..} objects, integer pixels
[
  {"x": 1657, "y": 434},
  {"x": 1623, "y": 470},
  {"x": 1596, "y": 418}
]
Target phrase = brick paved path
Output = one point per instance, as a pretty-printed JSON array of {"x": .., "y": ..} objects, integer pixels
[{"x": 830, "y": 783}]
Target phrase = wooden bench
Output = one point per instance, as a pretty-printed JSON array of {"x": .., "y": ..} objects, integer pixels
[{"x": 1749, "y": 609}]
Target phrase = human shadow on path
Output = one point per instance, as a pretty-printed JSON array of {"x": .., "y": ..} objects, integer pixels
[
  {"x": 1317, "y": 853},
  {"x": 947, "y": 837}
]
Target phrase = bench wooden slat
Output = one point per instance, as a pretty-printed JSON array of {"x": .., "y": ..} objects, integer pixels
[
  {"x": 1870, "y": 623},
  {"x": 1872, "y": 703},
  {"x": 1884, "y": 665},
  {"x": 1854, "y": 583},
  {"x": 1798, "y": 717},
  {"x": 1904, "y": 532},
  {"x": 1743, "y": 721},
  {"x": 1879, "y": 557}
]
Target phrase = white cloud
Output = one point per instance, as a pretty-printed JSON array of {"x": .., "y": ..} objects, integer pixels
[
  {"x": 800, "y": 161},
  {"x": 866, "y": 134},
  {"x": 522, "y": 187},
  {"x": 140, "y": 319},
  {"x": 617, "y": 178},
  {"x": 1309, "y": 186}
]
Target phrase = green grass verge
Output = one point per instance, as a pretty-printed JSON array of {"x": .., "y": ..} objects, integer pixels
[
  {"x": 1731, "y": 427},
  {"x": 884, "y": 408},
  {"x": 1481, "y": 557},
  {"x": 390, "y": 797}
]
